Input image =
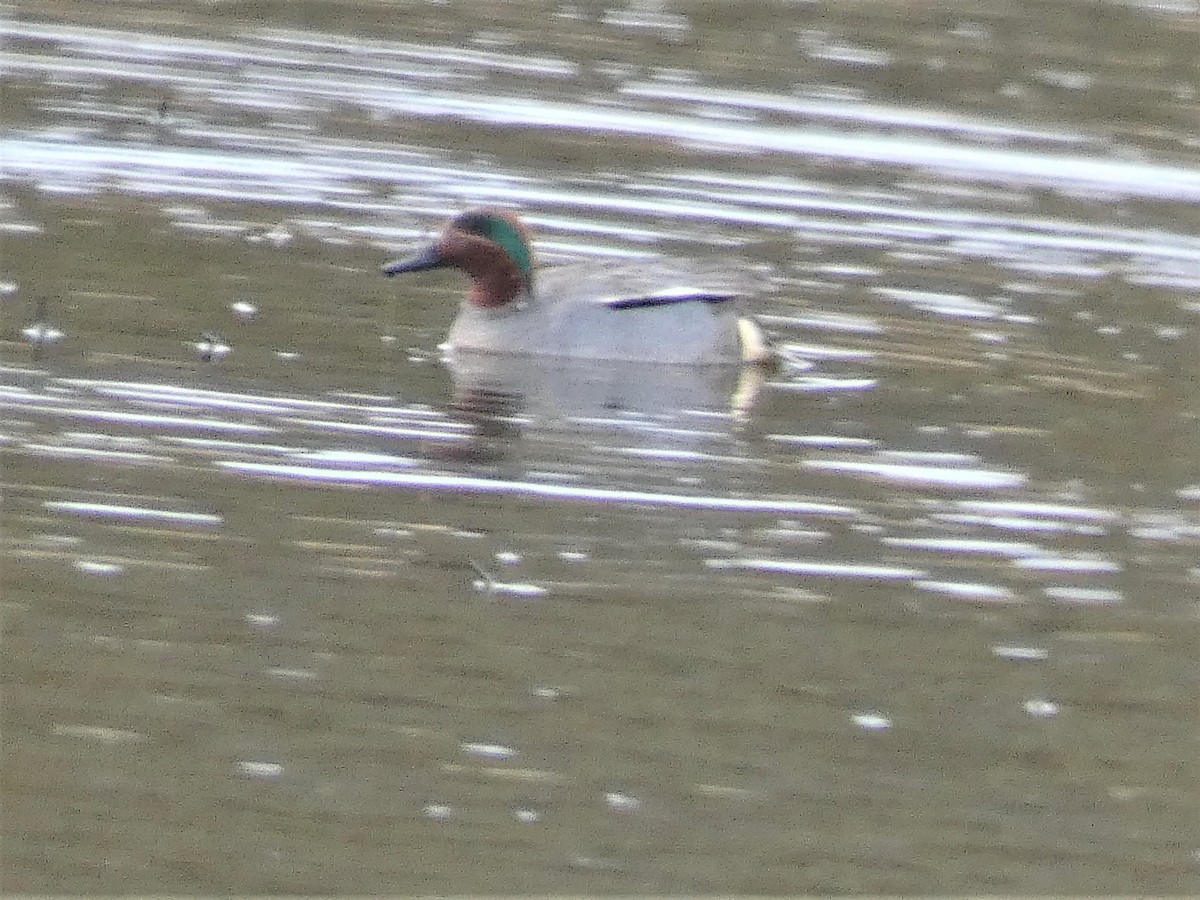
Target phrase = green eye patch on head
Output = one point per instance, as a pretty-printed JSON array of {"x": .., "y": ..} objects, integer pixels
[{"x": 502, "y": 232}]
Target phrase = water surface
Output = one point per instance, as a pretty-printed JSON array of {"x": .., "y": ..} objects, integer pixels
[{"x": 291, "y": 605}]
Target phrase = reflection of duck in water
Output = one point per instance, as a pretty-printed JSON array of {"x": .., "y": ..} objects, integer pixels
[
  {"x": 655, "y": 312},
  {"x": 600, "y": 408}
]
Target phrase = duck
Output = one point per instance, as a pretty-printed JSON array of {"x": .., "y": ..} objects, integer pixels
[{"x": 657, "y": 311}]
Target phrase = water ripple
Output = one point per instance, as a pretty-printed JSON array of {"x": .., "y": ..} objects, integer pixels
[{"x": 474, "y": 485}]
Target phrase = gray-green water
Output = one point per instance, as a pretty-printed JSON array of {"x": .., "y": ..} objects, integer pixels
[{"x": 290, "y": 606}]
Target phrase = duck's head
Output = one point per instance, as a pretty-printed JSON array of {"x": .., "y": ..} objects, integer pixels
[{"x": 490, "y": 245}]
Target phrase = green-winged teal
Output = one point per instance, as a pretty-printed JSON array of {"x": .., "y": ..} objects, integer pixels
[{"x": 646, "y": 312}]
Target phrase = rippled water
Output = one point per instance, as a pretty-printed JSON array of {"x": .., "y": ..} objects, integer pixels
[{"x": 292, "y": 605}]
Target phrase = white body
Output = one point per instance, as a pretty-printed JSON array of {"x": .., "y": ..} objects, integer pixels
[{"x": 643, "y": 313}]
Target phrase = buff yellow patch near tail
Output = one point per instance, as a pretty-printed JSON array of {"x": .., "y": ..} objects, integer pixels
[{"x": 755, "y": 347}]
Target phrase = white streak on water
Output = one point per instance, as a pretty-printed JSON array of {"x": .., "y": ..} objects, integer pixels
[
  {"x": 487, "y": 750},
  {"x": 1021, "y": 523},
  {"x": 930, "y": 475},
  {"x": 825, "y": 441},
  {"x": 1071, "y": 594},
  {"x": 131, "y": 512},
  {"x": 358, "y": 458},
  {"x": 942, "y": 303},
  {"x": 468, "y": 484},
  {"x": 824, "y": 385},
  {"x": 1043, "y": 510},
  {"x": 967, "y": 590},
  {"x": 176, "y": 394},
  {"x": 146, "y": 420},
  {"x": 1020, "y": 653},
  {"x": 1066, "y": 564},
  {"x": 858, "y": 113},
  {"x": 965, "y": 545},
  {"x": 817, "y": 568},
  {"x": 386, "y": 430},
  {"x": 94, "y": 453},
  {"x": 97, "y": 567}
]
